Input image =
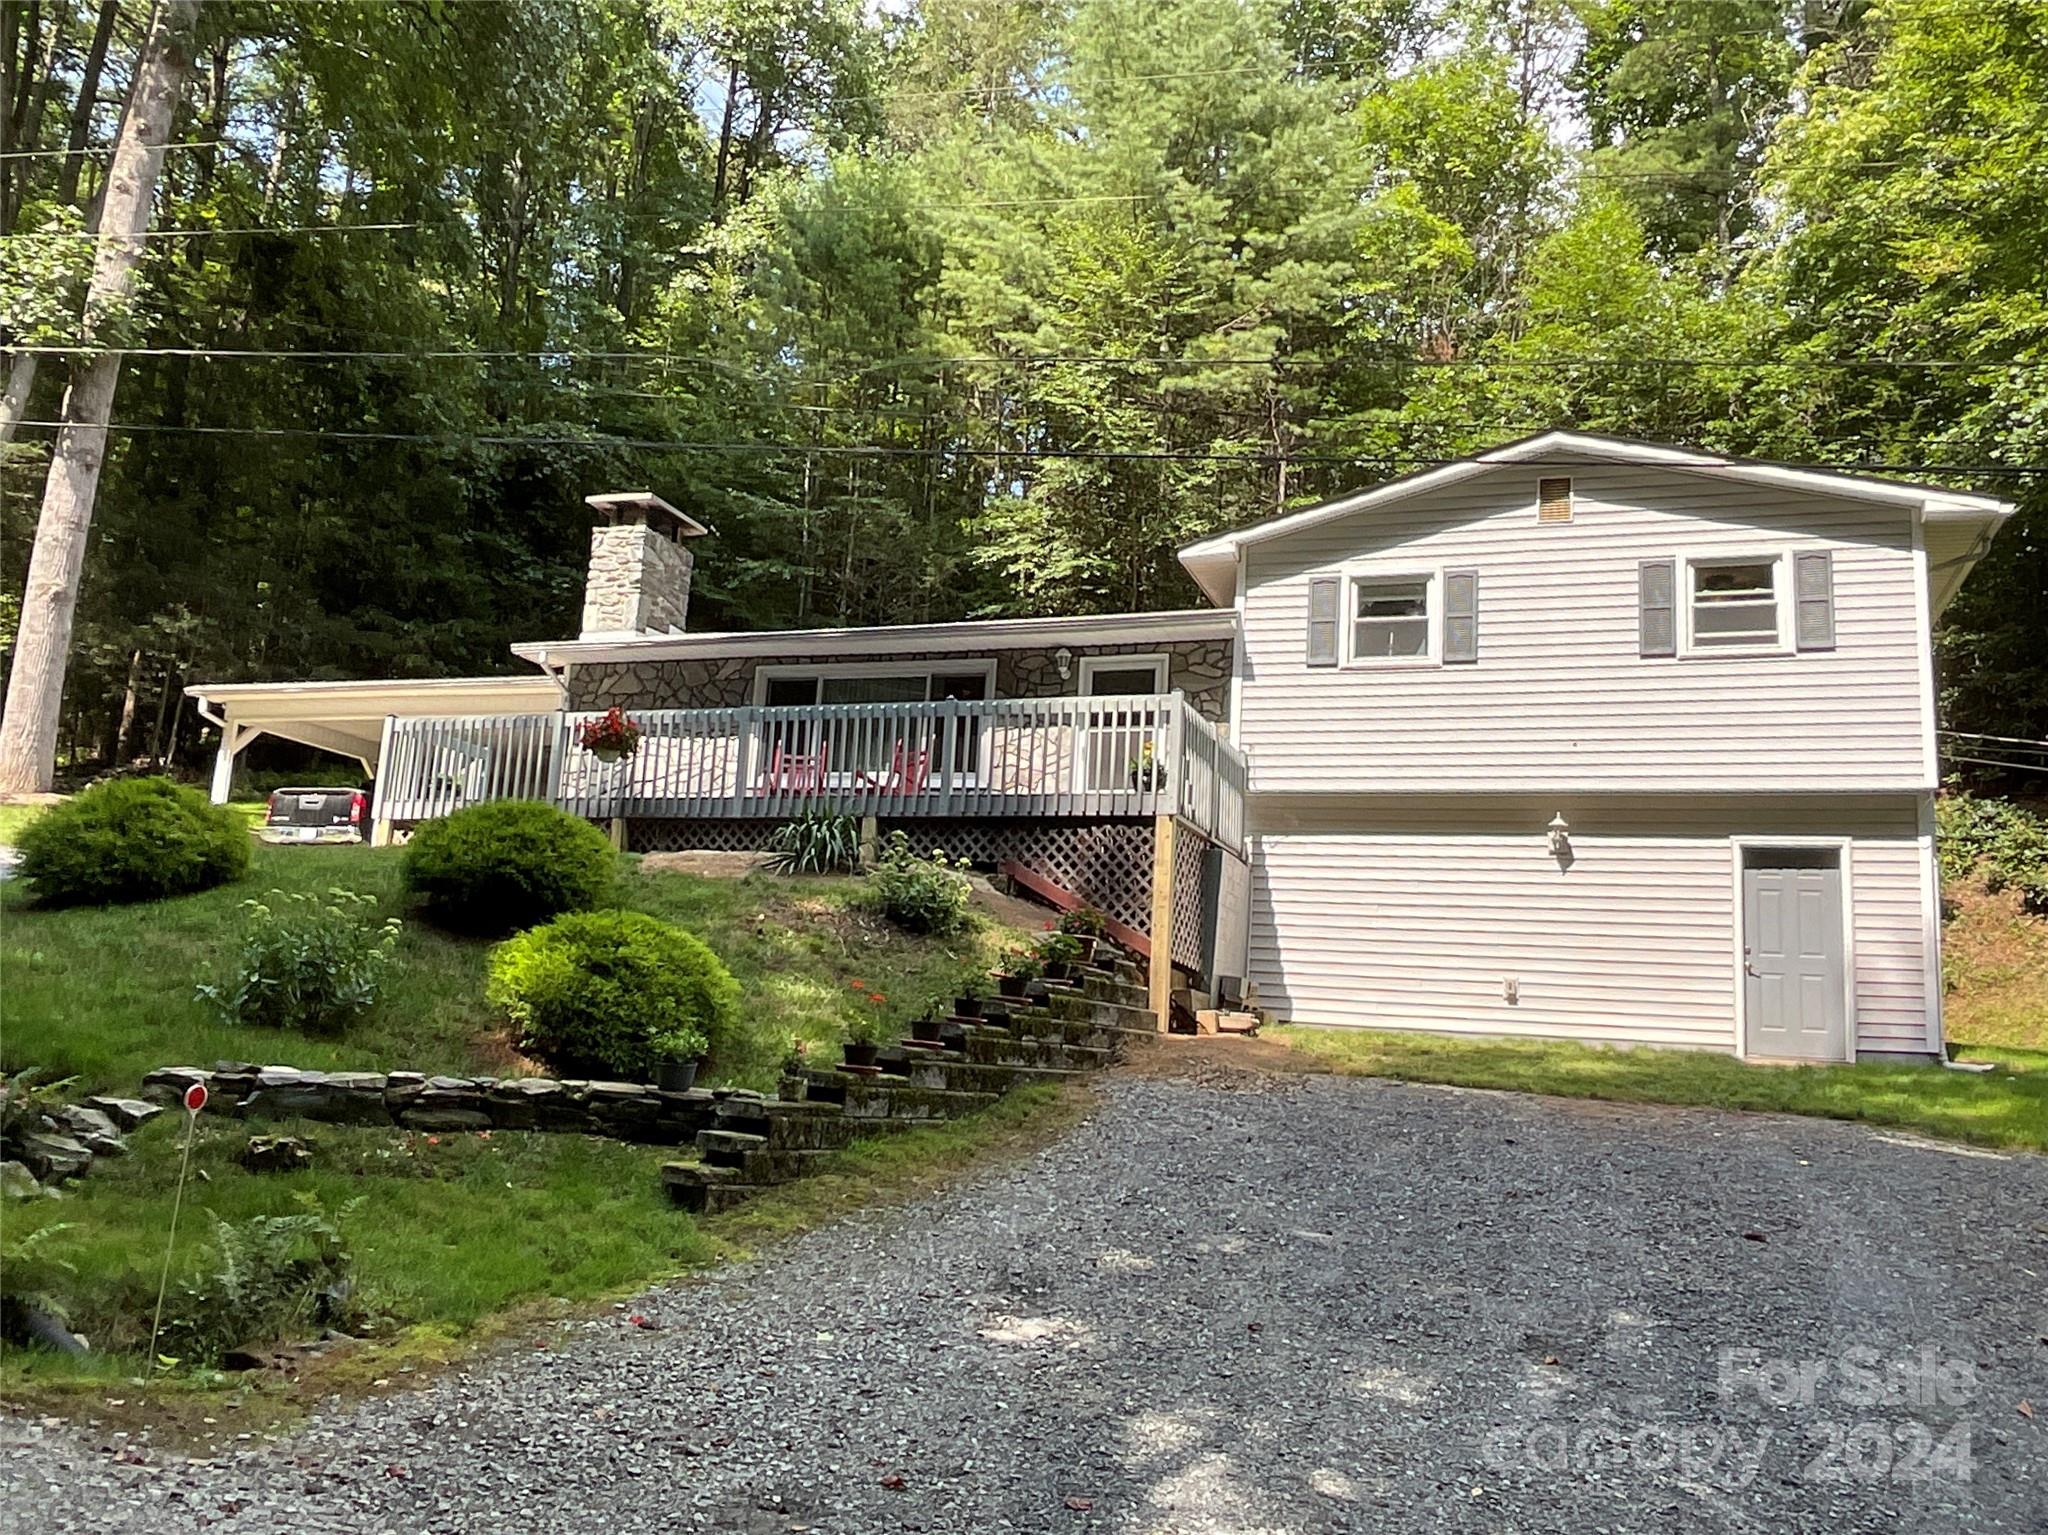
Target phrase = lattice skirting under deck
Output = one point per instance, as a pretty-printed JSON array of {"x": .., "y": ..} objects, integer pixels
[
  {"x": 1189, "y": 849},
  {"x": 1106, "y": 863}
]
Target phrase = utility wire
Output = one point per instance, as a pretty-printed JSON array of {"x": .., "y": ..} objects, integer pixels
[
  {"x": 960, "y": 450},
  {"x": 546, "y": 355}
]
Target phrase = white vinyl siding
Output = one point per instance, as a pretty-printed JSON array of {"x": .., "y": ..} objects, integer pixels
[
  {"x": 1410, "y": 911},
  {"x": 1560, "y": 696}
]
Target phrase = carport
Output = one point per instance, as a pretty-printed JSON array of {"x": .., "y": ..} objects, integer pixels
[{"x": 349, "y": 718}]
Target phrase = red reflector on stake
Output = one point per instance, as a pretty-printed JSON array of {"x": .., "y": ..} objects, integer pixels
[{"x": 195, "y": 1097}]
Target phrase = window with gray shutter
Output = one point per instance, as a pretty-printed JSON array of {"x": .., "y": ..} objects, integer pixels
[
  {"x": 1461, "y": 616},
  {"x": 1322, "y": 621},
  {"x": 1813, "y": 586},
  {"x": 1657, "y": 616}
]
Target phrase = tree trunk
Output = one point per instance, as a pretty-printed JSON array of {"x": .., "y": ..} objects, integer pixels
[
  {"x": 88, "y": 98},
  {"x": 125, "y": 729},
  {"x": 35, "y": 684},
  {"x": 21, "y": 378},
  {"x": 718, "y": 180}
]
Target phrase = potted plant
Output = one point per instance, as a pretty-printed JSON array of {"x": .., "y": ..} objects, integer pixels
[
  {"x": 678, "y": 1053},
  {"x": 1019, "y": 968},
  {"x": 796, "y": 1061},
  {"x": 863, "y": 1042},
  {"x": 1147, "y": 771},
  {"x": 1060, "y": 952},
  {"x": 924, "y": 1028},
  {"x": 967, "y": 998},
  {"x": 610, "y": 736},
  {"x": 1085, "y": 925}
]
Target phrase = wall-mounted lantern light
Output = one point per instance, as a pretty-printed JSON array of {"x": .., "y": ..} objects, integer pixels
[
  {"x": 1560, "y": 836},
  {"x": 1063, "y": 659}
]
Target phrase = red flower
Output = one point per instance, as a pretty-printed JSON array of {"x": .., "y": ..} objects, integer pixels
[
  {"x": 433, "y": 1140},
  {"x": 877, "y": 998},
  {"x": 858, "y": 985}
]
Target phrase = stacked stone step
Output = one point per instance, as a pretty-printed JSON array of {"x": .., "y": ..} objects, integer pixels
[{"x": 1064, "y": 1028}]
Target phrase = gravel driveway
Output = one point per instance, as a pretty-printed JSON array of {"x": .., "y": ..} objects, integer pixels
[{"x": 1311, "y": 1304}]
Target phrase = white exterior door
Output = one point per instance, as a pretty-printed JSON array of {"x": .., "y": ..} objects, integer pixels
[{"x": 1792, "y": 953}]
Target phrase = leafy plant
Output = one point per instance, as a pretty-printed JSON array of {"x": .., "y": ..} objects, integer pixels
[
  {"x": 870, "y": 1026},
  {"x": 1084, "y": 922},
  {"x": 132, "y": 839},
  {"x": 502, "y": 866},
  {"x": 2006, "y": 843},
  {"x": 33, "y": 1283},
  {"x": 614, "y": 993},
  {"x": 796, "y": 1055},
  {"x": 816, "y": 842},
  {"x": 1022, "y": 963},
  {"x": 307, "y": 962},
  {"x": 25, "y": 1100},
  {"x": 919, "y": 895},
  {"x": 1057, "y": 948},
  {"x": 273, "y": 1277}
]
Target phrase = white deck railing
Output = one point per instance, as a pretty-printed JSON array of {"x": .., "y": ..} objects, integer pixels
[{"x": 1143, "y": 755}]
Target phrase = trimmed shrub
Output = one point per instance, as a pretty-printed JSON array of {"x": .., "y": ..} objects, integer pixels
[
  {"x": 614, "y": 994},
  {"x": 499, "y": 867},
  {"x": 132, "y": 839},
  {"x": 307, "y": 962},
  {"x": 919, "y": 895}
]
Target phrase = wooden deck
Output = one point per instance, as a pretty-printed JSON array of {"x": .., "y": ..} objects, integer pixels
[{"x": 1015, "y": 759}]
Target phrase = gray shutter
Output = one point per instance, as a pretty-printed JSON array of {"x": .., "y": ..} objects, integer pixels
[
  {"x": 1813, "y": 587},
  {"x": 1656, "y": 607},
  {"x": 1461, "y": 615},
  {"x": 1322, "y": 621}
]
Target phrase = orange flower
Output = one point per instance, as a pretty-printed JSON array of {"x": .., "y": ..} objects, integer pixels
[
  {"x": 433, "y": 1140},
  {"x": 877, "y": 998},
  {"x": 858, "y": 985}
]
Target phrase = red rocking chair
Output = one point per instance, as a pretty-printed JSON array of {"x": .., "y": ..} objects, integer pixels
[
  {"x": 796, "y": 772},
  {"x": 910, "y": 772}
]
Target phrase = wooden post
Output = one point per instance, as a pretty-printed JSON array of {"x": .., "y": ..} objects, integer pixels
[
  {"x": 233, "y": 738},
  {"x": 870, "y": 841},
  {"x": 1160, "y": 969},
  {"x": 619, "y": 832},
  {"x": 380, "y": 804}
]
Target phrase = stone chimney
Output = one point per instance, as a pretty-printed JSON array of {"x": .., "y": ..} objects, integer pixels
[{"x": 639, "y": 578}]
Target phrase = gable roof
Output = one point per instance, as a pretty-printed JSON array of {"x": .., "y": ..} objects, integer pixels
[{"x": 1214, "y": 561}]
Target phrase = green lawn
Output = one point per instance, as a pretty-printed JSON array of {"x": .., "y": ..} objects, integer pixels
[
  {"x": 107, "y": 994},
  {"x": 2004, "y": 1107},
  {"x": 455, "y": 1229}
]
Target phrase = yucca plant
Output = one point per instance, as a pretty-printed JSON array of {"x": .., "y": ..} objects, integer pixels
[{"x": 816, "y": 842}]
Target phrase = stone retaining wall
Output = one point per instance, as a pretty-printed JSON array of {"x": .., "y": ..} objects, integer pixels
[{"x": 624, "y": 1111}]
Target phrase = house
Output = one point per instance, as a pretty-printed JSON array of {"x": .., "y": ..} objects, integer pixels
[{"x": 1578, "y": 737}]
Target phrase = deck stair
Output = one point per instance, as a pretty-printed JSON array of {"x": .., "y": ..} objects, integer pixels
[{"x": 1059, "y": 1031}]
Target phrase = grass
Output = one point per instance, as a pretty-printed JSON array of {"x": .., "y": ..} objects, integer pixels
[
  {"x": 2007, "y": 1106},
  {"x": 456, "y": 1232},
  {"x": 1994, "y": 960},
  {"x": 107, "y": 994},
  {"x": 460, "y": 1239}
]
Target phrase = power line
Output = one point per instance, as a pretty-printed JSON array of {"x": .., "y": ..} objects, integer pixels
[
  {"x": 951, "y": 450},
  {"x": 545, "y": 355}
]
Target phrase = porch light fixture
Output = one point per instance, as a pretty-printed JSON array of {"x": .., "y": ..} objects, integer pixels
[
  {"x": 1063, "y": 662},
  {"x": 1560, "y": 835}
]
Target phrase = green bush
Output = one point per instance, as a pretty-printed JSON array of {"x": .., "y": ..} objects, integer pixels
[
  {"x": 2006, "y": 843},
  {"x": 614, "y": 994},
  {"x": 499, "y": 867},
  {"x": 919, "y": 895},
  {"x": 307, "y": 962},
  {"x": 817, "y": 842},
  {"x": 132, "y": 839},
  {"x": 275, "y": 1278}
]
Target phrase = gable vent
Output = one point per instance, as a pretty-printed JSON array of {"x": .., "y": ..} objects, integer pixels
[{"x": 1554, "y": 500}]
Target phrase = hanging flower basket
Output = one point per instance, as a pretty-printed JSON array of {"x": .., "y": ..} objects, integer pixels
[{"x": 609, "y": 737}]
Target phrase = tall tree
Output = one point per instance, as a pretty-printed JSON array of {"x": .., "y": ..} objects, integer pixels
[{"x": 35, "y": 682}]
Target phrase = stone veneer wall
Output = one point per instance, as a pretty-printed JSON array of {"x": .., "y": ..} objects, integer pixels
[
  {"x": 1198, "y": 668},
  {"x": 638, "y": 581}
]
